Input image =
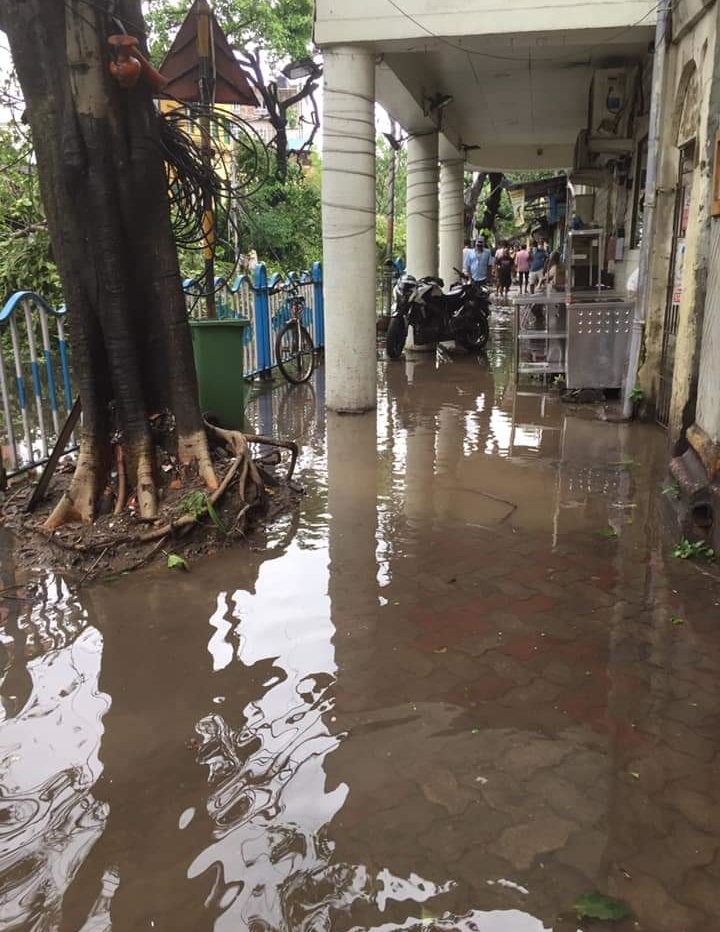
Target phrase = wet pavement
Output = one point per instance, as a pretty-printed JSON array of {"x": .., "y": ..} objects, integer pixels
[{"x": 466, "y": 685}]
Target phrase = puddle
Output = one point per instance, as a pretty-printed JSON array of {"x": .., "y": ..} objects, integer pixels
[{"x": 466, "y": 685}]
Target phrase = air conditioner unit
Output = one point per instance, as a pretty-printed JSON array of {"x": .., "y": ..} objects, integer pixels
[{"x": 612, "y": 94}]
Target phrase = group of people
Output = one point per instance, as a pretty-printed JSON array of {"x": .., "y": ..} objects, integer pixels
[{"x": 532, "y": 265}]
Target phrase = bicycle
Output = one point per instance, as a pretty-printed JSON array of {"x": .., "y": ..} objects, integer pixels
[{"x": 294, "y": 348}]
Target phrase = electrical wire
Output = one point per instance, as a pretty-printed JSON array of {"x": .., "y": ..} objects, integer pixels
[
  {"x": 512, "y": 58},
  {"x": 220, "y": 183}
]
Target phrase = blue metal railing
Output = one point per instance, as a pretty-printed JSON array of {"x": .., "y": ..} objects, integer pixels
[
  {"x": 264, "y": 303},
  {"x": 35, "y": 379},
  {"x": 35, "y": 402}
]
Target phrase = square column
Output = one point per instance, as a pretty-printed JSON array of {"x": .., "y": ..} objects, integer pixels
[
  {"x": 348, "y": 216},
  {"x": 451, "y": 210},
  {"x": 422, "y": 205}
]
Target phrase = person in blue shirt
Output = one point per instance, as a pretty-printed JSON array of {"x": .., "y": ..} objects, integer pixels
[
  {"x": 538, "y": 258},
  {"x": 479, "y": 262}
]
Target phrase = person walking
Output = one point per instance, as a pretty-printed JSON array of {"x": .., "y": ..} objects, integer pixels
[
  {"x": 504, "y": 268},
  {"x": 538, "y": 259},
  {"x": 479, "y": 263},
  {"x": 467, "y": 250},
  {"x": 522, "y": 264}
]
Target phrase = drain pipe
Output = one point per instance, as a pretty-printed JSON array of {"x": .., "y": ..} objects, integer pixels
[{"x": 643, "y": 295}]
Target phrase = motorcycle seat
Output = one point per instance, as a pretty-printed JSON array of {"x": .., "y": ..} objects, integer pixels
[{"x": 434, "y": 279}]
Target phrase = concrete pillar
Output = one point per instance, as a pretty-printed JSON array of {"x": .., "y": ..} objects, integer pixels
[
  {"x": 348, "y": 215},
  {"x": 422, "y": 205},
  {"x": 451, "y": 210}
]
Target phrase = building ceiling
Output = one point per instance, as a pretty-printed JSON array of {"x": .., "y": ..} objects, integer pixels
[{"x": 523, "y": 98}]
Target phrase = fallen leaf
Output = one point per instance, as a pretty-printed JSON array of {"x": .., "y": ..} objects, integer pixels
[
  {"x": 676, "y": 620},
  {"x": 177, "y": 562},
  {"x": 440, "y": 650},
  {"x": 596, "y": 906},
  {"x": 635, "y": 775},
  {"x": 176, "y": 484}
]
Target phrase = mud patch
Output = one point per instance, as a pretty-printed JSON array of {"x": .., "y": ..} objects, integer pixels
[{"x": 117, "y": 544}]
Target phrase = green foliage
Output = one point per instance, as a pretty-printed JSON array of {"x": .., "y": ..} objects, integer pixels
[
  {"x": 383, "y": 170},
  {"x": 194, "y": 503},
  {"x": 608, "y": 532},
  {"x": 198, "y": 504},
  {"x": 175, "y": 562},
  {"x": 637, "y": 394},
  {"x": 282, "y": 28},
  {"x": 282, "y": 222},
  {"x": 25, "y": 252},
  {"x": 691, "y": 550},
  {"x": 596, "y": 906}
]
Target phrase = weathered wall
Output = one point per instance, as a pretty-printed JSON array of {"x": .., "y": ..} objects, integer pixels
[
  {"x": 708, "y": 407},
  {"x": 686, "y": 116}
]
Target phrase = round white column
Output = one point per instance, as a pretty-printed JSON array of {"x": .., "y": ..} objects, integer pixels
[
  {"x": 452, "y": 210},
  {"x": 422, "y": 205},
  {"x": 348, "y": 215}
]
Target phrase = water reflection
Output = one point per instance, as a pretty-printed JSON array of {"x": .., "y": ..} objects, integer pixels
[
  {"x": 49, "y": 758},
  {"x": 438, "y": 699}
]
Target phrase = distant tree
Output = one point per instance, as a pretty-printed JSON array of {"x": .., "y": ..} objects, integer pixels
[
  {"x": 264, "y": 33},
  {"x": 282, "y": 221},
  {"x": 383, "y": 162},
  {"x": 26, "y": 260}
]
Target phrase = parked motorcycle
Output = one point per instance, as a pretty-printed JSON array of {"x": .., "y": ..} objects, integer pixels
[{"x": 461, "y": 314}]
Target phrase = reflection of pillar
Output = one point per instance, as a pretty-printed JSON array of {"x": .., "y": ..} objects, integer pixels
[
  {"x": 348, "y": 214},
  {"x": 422, "y": 205},
  {"x": 451, "y": 210},
  {"x": 450, "y": 439},
  {"x": 420, "y": 460},
  {"x": 352, "y": 503}
]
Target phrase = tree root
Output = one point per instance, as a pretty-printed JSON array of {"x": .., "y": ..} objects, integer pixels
[
  {"x": 78, "y": 503},
  {"x": 243, "y": 472},
  {"x": 122, "y": 480}
]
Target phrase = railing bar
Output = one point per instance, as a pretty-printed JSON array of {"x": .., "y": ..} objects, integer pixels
[
  {"x": 35, "y": 370},
  {"x": 49, "y": 369},
  {"x": 64, "y": 366},
  {"x": 12, "y": 443},
  {"x": 20, "y": 381}
]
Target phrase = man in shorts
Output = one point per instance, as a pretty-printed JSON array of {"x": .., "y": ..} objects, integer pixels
[{"x": 538, "y": 258}]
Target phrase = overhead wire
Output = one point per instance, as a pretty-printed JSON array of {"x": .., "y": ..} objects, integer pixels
[{"x": 578, "y": 53}]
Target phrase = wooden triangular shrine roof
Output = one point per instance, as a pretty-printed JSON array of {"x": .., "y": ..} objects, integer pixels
[{"x": 181, "y": 68}]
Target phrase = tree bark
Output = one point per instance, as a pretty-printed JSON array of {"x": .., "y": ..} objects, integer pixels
[
  {"x": 103, "y": 186},
  {"x": 472, "y": 195},
  {"x": 492, "y": 205}
]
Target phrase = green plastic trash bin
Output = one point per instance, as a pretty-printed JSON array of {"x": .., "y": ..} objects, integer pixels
[{"x": 218, "y": 350}]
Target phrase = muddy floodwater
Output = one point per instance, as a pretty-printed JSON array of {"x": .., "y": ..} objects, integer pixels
[{"x": 465, "y": 685}]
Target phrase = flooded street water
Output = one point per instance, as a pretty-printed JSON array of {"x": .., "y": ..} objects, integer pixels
[{"x": 467, "y": 684}]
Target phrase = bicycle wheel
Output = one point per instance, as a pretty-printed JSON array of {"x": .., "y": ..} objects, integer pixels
[{"x": 295, "y": 352}]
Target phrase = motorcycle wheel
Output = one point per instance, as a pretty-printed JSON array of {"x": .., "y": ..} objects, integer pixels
[
  {"x": 395, "y": 338},
  {"x": 476, "y": 336}
]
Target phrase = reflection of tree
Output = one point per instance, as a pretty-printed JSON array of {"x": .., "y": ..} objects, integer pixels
[{"x": 49, "y": 817}]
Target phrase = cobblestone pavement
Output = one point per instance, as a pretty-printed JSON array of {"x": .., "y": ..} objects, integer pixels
[{"x": 466, "y": 685}]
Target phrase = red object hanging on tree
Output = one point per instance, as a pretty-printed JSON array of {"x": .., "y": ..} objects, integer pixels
[{"x": 129, "y": 63}]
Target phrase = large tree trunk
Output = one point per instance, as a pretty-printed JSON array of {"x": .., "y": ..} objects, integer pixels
[
  {"x": 103, "y": 184},
  {"x": 472, "y": 195},
  {"x": 492, "y": 205}
]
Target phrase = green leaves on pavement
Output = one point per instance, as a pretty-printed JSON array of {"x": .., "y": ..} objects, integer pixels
[{"x": 597, "y": 906}]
